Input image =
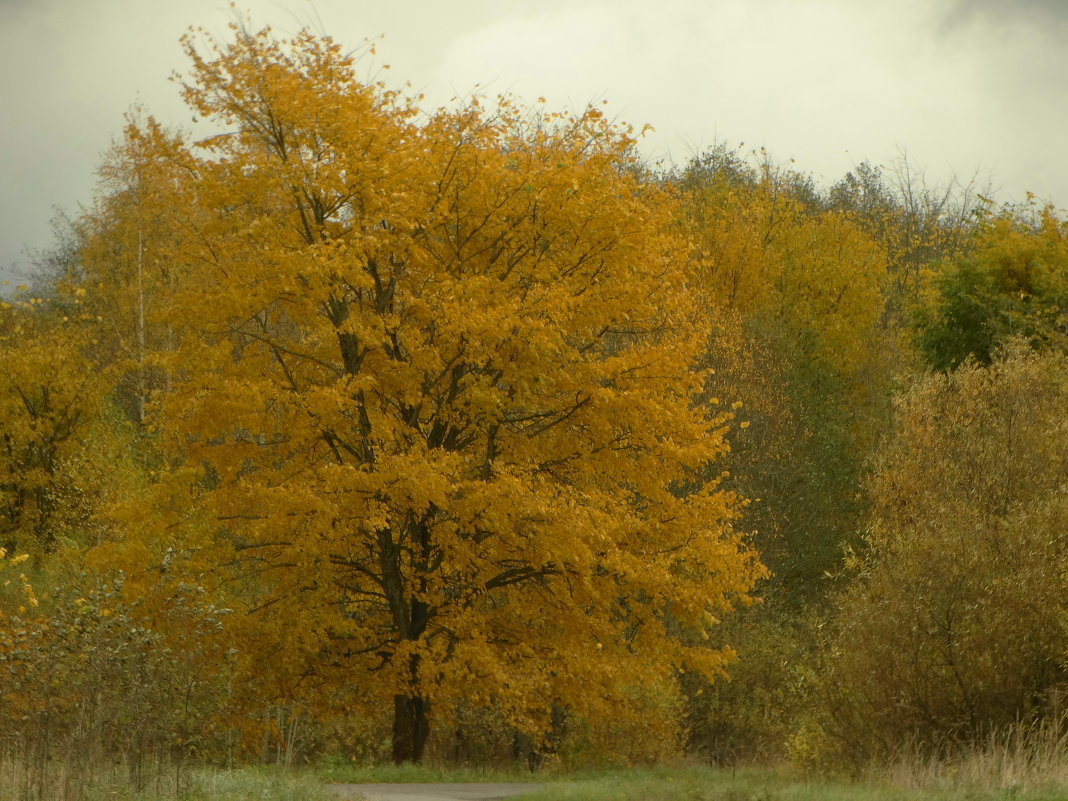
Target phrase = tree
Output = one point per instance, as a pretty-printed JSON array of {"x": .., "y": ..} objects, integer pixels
[
  {"x": 436, "y": 389},
  {"x": 50, "y": 404},
  {"x": 797, "y": 290},
  {"x": 952, "y": 624},
  {"x": 800, "y": 292},
  {"x": 916, "y": 223},
  {"x": 120, "y": 271},
  {"x": 1013, "y": 283}
]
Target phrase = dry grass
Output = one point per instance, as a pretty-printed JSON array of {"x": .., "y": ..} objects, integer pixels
[
  {"x": 112, "y": 783},
  {"x": 1026, "y": 757}
]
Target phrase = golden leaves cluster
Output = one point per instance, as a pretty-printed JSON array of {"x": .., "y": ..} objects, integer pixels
[{"x": 436, "y": 373}]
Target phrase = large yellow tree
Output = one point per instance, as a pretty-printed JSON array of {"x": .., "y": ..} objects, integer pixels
[{"x": 435, "y": 395}]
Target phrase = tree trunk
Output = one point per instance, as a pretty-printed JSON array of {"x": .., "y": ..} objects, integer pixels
[{"x": 410, "y": 728}]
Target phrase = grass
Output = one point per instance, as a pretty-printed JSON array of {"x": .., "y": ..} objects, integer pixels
[
  {"x": 199, "y": 784},
  {"x": 341, "y": 772},
  {"x": 247, "y": 784},
  {"x": 1017, "y": 758},
  {"x": 1025, "y": 762},
  {"x": 699, "y": 783},
  {"x": 707, "y": 784},
  {"x": 1008, "y": 768}
]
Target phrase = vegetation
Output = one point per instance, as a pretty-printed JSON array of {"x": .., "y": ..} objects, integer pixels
[
  {"x": 710, "y": 784},
  {"x": 944, "y": 633},
  {"x": 357, "y": 433}
]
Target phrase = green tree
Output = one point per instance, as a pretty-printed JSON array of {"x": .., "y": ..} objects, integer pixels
[
  {"x": 1013, "y": 283},
  {"x": 797, "y": 293}
]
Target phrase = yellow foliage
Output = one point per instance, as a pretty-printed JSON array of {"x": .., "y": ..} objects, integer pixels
[
  {"x": 953, "y": 623},
  {"x": 763, "y": 254},
  {"x": 435, "y": 375},
  {"x": 49, "y": 397}
]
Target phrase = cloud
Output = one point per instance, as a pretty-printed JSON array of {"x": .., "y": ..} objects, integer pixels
[
  {"x": 10, "y": 10},
  {"x": 960, "y": 84},
  {"x": 1049, "y": 17}
]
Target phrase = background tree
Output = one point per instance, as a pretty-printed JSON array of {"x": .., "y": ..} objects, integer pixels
[
  {"x": 121, "y": 272},
  {"x": 797, "y": 290},
  {"x": 917, "y": 223},
  {"x": 805, "y": 287},
  {"x": 947, "y": 629},
  {"x": 1012, "y": 283},
  {"x": 53, "y": 437}
]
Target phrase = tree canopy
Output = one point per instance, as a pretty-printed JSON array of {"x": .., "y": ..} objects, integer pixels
[
  {"x": 1013, "y": 282},
  {"x": 434, "y": 385}
]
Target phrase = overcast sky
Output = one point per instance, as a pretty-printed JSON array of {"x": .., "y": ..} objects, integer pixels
[{"x": 962, "y": 86}]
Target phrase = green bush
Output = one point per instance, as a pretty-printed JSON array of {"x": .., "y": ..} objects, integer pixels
[{"x": 952, "y": 625}]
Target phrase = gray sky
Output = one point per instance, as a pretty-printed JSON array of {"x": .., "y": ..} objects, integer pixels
[{"x": 960, "y": 85}]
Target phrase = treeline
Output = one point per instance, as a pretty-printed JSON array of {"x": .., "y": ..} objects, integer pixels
[
  {"x": 901, "y": 353},
  {"x": 357, "y": 429}
]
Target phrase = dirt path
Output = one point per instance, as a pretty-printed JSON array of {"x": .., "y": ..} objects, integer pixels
[{"x": 431, "y": 792}]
